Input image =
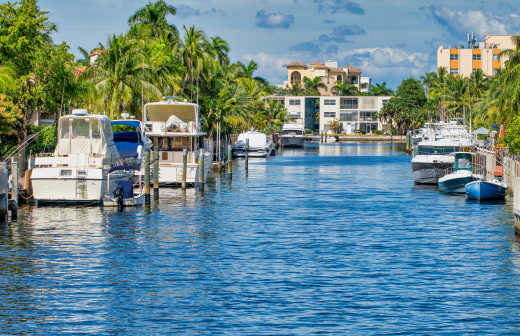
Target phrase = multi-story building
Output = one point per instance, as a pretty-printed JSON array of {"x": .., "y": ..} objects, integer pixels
[
  {"x": 464, "y": 60},
  {"x": 329, "y": 74},
  {"x": 355, "y": 113}
]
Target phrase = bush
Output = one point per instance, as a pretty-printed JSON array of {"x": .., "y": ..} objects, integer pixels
[
  {"x": 512, "y": 135},
  {"x": 377, "y": 132},
  {"x": 44, "y": 143}
]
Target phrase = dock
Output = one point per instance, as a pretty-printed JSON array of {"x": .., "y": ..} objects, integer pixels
[
  {"x": 4, "y": 195},
  {"x": 364, "y": 138}
]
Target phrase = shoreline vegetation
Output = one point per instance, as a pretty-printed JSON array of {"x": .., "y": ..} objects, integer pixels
[
  {"x": 151, "y": 60},
  {"x": 155, "y": 58}
]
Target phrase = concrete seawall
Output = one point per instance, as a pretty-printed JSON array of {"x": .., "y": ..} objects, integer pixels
[{"x": 364, "y": 138}]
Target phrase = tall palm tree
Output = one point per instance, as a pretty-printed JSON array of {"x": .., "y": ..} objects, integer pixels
[
  {"x": 345, "y": 89},
  {"x": 193, "y": 55},
  {"x": 152, "y": 19},
  {"x": 380, "y": 90},
  {"x": 313, "y": 86},
  {"x": 118, "y": 76}
]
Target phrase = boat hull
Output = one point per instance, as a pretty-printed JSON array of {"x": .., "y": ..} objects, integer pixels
[
  {"x": 50, "y": 186},
  {"x": 483, "y": 190},
  {"x": 253, "y": 152},
  {"x": 429, "y": 172},
  {"x": 292, "y": 141},
  {"x": 455, "y": 183}
]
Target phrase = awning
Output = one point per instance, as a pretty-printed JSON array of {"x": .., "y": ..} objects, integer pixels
[{"x": 481, "y": 131}]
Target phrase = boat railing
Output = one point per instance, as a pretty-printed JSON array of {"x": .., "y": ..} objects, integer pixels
[{"x": 48, "y": 160}]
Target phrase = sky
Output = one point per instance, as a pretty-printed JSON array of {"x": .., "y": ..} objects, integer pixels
[{"x": 389, "y": 40}]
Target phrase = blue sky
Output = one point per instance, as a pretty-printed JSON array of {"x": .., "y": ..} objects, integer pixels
[{"x": 389, "y": 40}]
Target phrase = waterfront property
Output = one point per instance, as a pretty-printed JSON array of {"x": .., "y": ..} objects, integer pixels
[
  {"x": 464, "y": 60},
  {"x": 330, "y": 73},
  {"x": 354, "y": 113}
]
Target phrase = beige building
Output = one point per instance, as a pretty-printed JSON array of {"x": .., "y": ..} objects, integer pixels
[
  {"x": 329, "y": 74},
  {"x": 463, "y": 61}
]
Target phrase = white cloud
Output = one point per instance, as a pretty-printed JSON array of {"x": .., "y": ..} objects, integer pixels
[{"x": 269, "y": 66}]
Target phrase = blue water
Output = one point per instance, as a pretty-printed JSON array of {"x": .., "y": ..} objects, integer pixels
[{"x": 332, "y": 240}]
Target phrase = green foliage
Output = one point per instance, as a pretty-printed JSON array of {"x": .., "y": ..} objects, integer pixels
[
  {"x": 512, "y": 135},
  {"x": 406, "y": 110},
  {"x": 44, "y": 143}
]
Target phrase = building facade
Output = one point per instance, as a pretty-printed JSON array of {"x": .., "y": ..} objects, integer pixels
[
  {"x": 464, "y": 60},
  {"x": 355, "y": 113},
  {"x": 329, "y": 73}
]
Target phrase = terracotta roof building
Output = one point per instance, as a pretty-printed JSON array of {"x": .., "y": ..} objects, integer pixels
[{"x": 329, "y": 73}]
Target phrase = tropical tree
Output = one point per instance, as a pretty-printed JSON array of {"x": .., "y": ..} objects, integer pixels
[
  {"x": 313, "y": 86},
  {"x": 345, "y": 89},
  {"x": 380, "y": 90},
  {"x": 151, "y": 20}
]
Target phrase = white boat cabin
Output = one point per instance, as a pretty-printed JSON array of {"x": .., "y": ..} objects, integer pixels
[{"x": 84, "y": 140}]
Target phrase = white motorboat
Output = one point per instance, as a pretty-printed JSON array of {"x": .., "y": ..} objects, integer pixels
[
  {"x": 173, "y": 127},
  {"x": 85, "y": 166},
  {"x": 292, "y": 135},
  {"x": 460, "y": 175},
  {"x": 260, "y": 145}
]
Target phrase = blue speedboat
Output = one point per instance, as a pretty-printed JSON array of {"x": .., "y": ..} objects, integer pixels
[
  {"x": 486, "y": 190},
  {"x": 462, "y": 174}
]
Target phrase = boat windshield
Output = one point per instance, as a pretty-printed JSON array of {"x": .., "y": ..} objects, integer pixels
[
  {"x": 292, "y": 132},
  {"x": 436, "y": 150}
]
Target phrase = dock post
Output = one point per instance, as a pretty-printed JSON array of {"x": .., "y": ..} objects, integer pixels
[
  {"x": 14, "y": 176},
  {"x": 247, "y": 155},
  {"x": 156, "y": 175},
  {"x": 201, "y": 170},
  {"x": 229, "y": 161},
  {"x": 4, "y": 193},
  {"x": 147, "y": 178},
  {"x": 321, "y": 137},
  {"x": 184, "y": 167}
]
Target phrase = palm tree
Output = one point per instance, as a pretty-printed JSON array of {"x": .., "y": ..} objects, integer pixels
[
  {"x": 380, "y": 90},
  {"x": 193, "y": 55},
  {"x": 118, "y": 77},
  {"x": 345, "y": 89},
  {"x": 151, "y": 19},
  {"x": 313, "y": 86},
  {"x": 219, "y": 49}
]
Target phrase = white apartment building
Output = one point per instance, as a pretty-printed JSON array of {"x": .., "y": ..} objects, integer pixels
[{"x": 356, "y": 113}]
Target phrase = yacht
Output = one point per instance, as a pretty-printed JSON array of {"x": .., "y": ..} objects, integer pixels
[
  {"x": 434, "y": 155},
  {"x": 174, "y": 126},
  {"x": 260, "y": 145},
  {"x": 292, "y": 135},
  {"x": 85, "y": 166}
]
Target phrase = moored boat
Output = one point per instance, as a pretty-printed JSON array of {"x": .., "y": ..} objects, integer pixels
[
  {"x": 486, "y": 190},
  {"x": 462, "y": 174},
  {"x": 292, "y": 136},
  {"x": 174, "y": 126},
  {"x": 260, "y": 145},
  {"x": 78, "y": 170}
]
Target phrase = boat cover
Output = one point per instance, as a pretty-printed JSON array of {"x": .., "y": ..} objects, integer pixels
[{"x": 256, "y": 139}]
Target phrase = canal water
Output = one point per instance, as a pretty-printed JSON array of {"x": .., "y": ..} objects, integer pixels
[{"x": 333, "y": 239}]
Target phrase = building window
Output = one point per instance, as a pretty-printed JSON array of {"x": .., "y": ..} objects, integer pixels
[
  {"x": 329, "y": 114},
  {"x": 329, "y": 102},
  {"x": 295, "y": 115},
  {"x": 340, "y": 78},
  {"x": 348, "y": 116},
  {"x": 385, "y": 101},
  {"x": 454, "y": 57},
  {"x": 477, "y": 57},
  {"x": 354, "y": 80},
  {"x": 294, "y": 102},
  {"x": 494, "y": 72},
  {"x": 454, "y": 71},
  {"x": 496, "y": 57},
  {"x": 367, "y": 116},
  {"x": 349, "y": 103},
  {"x": 296, "y": 77}
]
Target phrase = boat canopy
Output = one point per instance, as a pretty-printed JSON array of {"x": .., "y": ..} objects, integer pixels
[
  {"x": 463, "y": 161},
  {"x": 85, "y": 134},
  {"x": 131, "y": 123},
  {"x": 256, "y": 139},
  {"x": 293, "y": 127},
  {"x": 162, "y": 111}
]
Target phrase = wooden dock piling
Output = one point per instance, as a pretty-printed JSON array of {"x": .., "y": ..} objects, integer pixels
[
  {"x": 4, "y": 193},
  {"x": 201, "y": 170},
  {"x": 147, "y": 178},
  {"x": 184, "y": 168},
  {"x": 247, "y": 155},
  {"x": 15, "y": 187},
  {"x": 229, "y": 161},
  {"x": 156, "y": 174}
]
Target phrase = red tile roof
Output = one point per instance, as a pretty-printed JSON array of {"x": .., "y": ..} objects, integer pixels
[
  {"x": 96, "y": 52},
  {"x": 352, "y": 69},
  {"x": 78, "y": 71},
  {"x": 296, "y": 64}
]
